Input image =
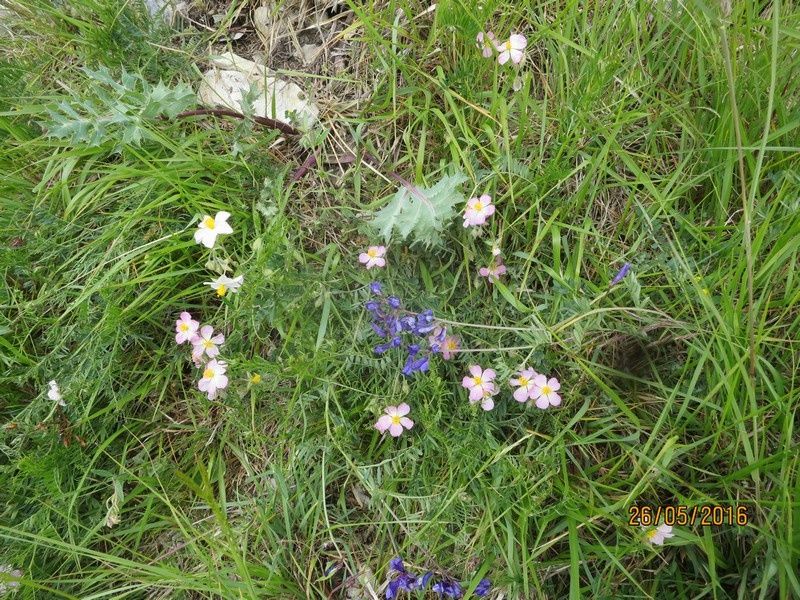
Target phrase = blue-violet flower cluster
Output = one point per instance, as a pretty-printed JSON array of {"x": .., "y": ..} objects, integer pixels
[
  {"x": 408, "y": 582},
  {"x": 403, "y": 329}
]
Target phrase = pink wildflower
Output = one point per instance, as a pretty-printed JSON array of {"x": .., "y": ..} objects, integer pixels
[
  {"x": 512, "y": 49},
  {"x": 214, "y": 378},
  {"x": 478, "y": 210},
  {"x": 524, "y": 384},
  {"x": 373, "y": 257},
  {"x": 450, "y": 346},
  {"x": 493, "y": 272},
  {"x": 395, "y": 420},
  {"x": 544, "y": 391},
  {"x": 481, "y": 386},
  {"x": 185, "y": 328},
  {"x": 487, "y": 402},
  {"x": 206, "y": 343},
  {"x": 486, "y": 42}
]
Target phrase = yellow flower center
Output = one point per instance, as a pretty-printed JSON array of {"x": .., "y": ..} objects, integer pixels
[
  {"x": 184, "y": 327},
  {"x": 479, "y": 205},
  {"x": 508, "y": 45},
  {"x": 546, "y": 389},
  {"x": 209, "y": 222},
  {"x": 256, "y": 378},
  {"x": 652, "y": 533},
  {"x": 208, "y": 344},
  {"x": 221, "y": 289},
  {"x": 450, "y": 345},
  {"x": 395, "y": 420},
  {"x": 523, "y": 381},
  {"x": 477, "y": 380},
  {"x": 372, "y": 252},
  {"x": 208, "y": 373}
]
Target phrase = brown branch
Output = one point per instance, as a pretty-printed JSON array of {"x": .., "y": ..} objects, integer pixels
[
  {"x": 225, "y": 112},
  {"x": 303, "y": 169}
]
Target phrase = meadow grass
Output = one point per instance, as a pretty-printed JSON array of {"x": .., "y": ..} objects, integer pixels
[{"x": 657, "y": 133}]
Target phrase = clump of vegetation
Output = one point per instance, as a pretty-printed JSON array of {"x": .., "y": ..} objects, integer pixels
[{"x": 520, "y": 310}]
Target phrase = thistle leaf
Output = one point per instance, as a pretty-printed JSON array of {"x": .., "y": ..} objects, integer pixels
[
  {"x": 420, "y": 213},
  {"x": 115, "y": 111}
]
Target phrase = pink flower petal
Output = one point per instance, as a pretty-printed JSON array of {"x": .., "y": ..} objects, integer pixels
[
  {"x": 555, "y": 399},
  {"x": 476, "y": 393},
  {"x": 475, "y": 370},
  {"x": 468, "y": 382},
  {"x": 384, "y": 422},
  {"x": 363, "y": 257},
  {"x": 542, "y": 403},
  {"x": 487, "y": 403},
  {"x": 395, "y": 429},
  {"x": 489, "y": 375},
  {"x": 403, "y": 410},
  {"x": 503, "y": 57},
  {"x": 406, "y": 422},
  {"x": 518, "y": 42},
  {"x": 206, "y": 331},
  {"x": 540, "y": 380},
  {"x": 553, "y": 384},
  {"x": 521, "y": 394}
]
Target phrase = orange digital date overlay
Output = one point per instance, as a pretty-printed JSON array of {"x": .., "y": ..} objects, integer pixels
[{"x": 705, "y": 515}]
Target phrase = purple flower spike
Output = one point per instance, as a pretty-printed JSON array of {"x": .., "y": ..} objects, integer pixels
[
  {"x": 450, "y": 589},
  {"x": 620, "y": 274},
  {"x": 403, "y": 582},
  {"x": 396, "y": 564},
  {"x": 417, "y": 334},
  {"x": 483, "y": 587}
]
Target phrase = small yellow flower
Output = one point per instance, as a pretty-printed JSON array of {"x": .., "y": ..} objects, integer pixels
[{"x": 255, "y": 379}]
